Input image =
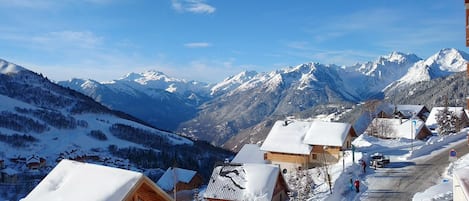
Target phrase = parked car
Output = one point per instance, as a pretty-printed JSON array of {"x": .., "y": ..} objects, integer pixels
[{"x": 379, "y": 159}]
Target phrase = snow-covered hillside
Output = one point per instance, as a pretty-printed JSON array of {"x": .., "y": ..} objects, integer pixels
[
  {"x": 42, "y": 123},
  {"x": 6, "y": 67}
]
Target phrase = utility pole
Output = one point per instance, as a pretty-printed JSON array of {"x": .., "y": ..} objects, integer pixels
[
  {"x": 466, "y": 4},
  {"x": 328, "y": 177}
]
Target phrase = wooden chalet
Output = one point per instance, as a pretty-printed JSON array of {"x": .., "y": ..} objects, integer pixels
[
  {"x": 8, "y": 175},
  {"x": 181, "y": 178},
  {"x": 413, "y": 111},
  {"x": 85, "y": 181},
  {"x": 398, "y": 128},
  {"x": 293, "y": 144},
  {"x": 35, "y": 162},
  {"x": 230, "y": 182},
  {"x": 391, "y": 111}
]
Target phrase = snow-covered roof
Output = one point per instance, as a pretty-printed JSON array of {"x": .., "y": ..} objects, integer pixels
[
  {"x": 250, "y": 153},
  {"x": 431, "y": 121},
  {"x": 243, "y": 182},
  {"x": 33, "y": 159},
  {"x": 9, "y": 171},
  {"x": 72, "y": 180},
  {"x": 166, "y": 182},
  {"x": 288, "y": 138},
  {"x": 327, "y": 133},
  {"x": 409, "y": 110},
  {"x": 401, "y": 130}
]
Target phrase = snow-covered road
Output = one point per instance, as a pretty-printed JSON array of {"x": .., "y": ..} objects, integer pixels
[{"x": 401, "y": 180}]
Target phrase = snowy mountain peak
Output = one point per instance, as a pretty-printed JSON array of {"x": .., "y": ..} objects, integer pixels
[
  {"x": 392, "y": 62},
  {"x": 399, "y": 57},
  {"x": 443, "y": 63},
  {"x": 244, "y": 76},
  {"x": 148, "y": 76},
  {"x": 448, "y": 59},
  {"x": 233, "y": 82},
  {"x": 7, "y": 67}
]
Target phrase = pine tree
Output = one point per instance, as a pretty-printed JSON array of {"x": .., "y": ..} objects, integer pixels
[{"x": 448, "y": 121}]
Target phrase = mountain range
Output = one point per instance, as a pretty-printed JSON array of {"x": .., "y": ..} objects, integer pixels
[{"x": 244, "y": 102}]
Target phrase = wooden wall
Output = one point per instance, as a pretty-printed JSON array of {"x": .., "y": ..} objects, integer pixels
[
  {"x": 147, "y": 191},
  {"x": 289, "y": 158},
  {"x": 194, "y": 183}
]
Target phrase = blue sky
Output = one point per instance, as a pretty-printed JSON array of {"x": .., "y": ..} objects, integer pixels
[{"x": 208, "y": 40}]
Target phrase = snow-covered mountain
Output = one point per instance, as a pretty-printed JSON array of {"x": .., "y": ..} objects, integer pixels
[
  {"x": 153, "y": 96},
  {"x": 368, "y": 79},
  {"x": 232, "y": 82},
  {"x": 278, "y": 93},
  {"x": 254, "y": 99},
  {"x": 43, "y": 122},
  {"x": 220, "y": 111},
  {"x": 441, "y": 64}
]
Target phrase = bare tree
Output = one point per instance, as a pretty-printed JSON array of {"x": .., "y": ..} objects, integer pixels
[
  {"x": 381, "y": 128},
  {"x": 370, "y": 108}
]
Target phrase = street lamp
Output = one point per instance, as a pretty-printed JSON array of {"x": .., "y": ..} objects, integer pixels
[{"x": 413, "y": 132}]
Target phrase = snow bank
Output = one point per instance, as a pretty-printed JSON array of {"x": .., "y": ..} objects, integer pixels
[
  {"x": 436, "y": 143},
  {"x": 443, "y": 190}
]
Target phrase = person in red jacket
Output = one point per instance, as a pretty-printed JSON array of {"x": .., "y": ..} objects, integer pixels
[{"x": 357, "y": 185}]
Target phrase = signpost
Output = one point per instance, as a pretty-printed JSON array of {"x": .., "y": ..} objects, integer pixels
[
  {"x": 453, "y": 155},
  {"x": 413, "y": 130}
]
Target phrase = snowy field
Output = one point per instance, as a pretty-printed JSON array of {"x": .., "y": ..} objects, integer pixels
[{"x": 399, "y": 151}]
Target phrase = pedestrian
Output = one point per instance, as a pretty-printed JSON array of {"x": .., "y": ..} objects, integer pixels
[
  {"x": 375, "y": 163},
  {"x": 357, "y": 185},
  {"x": 351, "y": 184},
  {"x": 364, "y": 166}
]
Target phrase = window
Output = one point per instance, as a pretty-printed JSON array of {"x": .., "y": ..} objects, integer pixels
[{"x": 314, "y": 156}]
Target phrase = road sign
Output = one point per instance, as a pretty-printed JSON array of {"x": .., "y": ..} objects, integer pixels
[{"x": 452, "y": 153}]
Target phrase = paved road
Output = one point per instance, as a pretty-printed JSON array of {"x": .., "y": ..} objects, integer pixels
[{"x": 401, "y": 180}]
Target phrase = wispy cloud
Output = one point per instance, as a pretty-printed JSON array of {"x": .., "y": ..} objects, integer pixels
[
  {"x": 80, "y": 39},
  {"x": 430, "y": 32},
  {"x": 192, "y": 6},
  {"x": 53, "y": 41},
  {"x": 342, "y": 57},
  {"x": 26, "y": 3},
  {"x": 46, "y": 4},
  {"x": 197, "y": 45},
  {"x": 360, "y": 22}
]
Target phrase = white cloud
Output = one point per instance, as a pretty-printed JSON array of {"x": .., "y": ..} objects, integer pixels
[
  {"x": 197, "y": 45},
  {"x": 192, "y": 6},
  {"x": 80, "y": 39},
  {"x": 26, "y": 3}
]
